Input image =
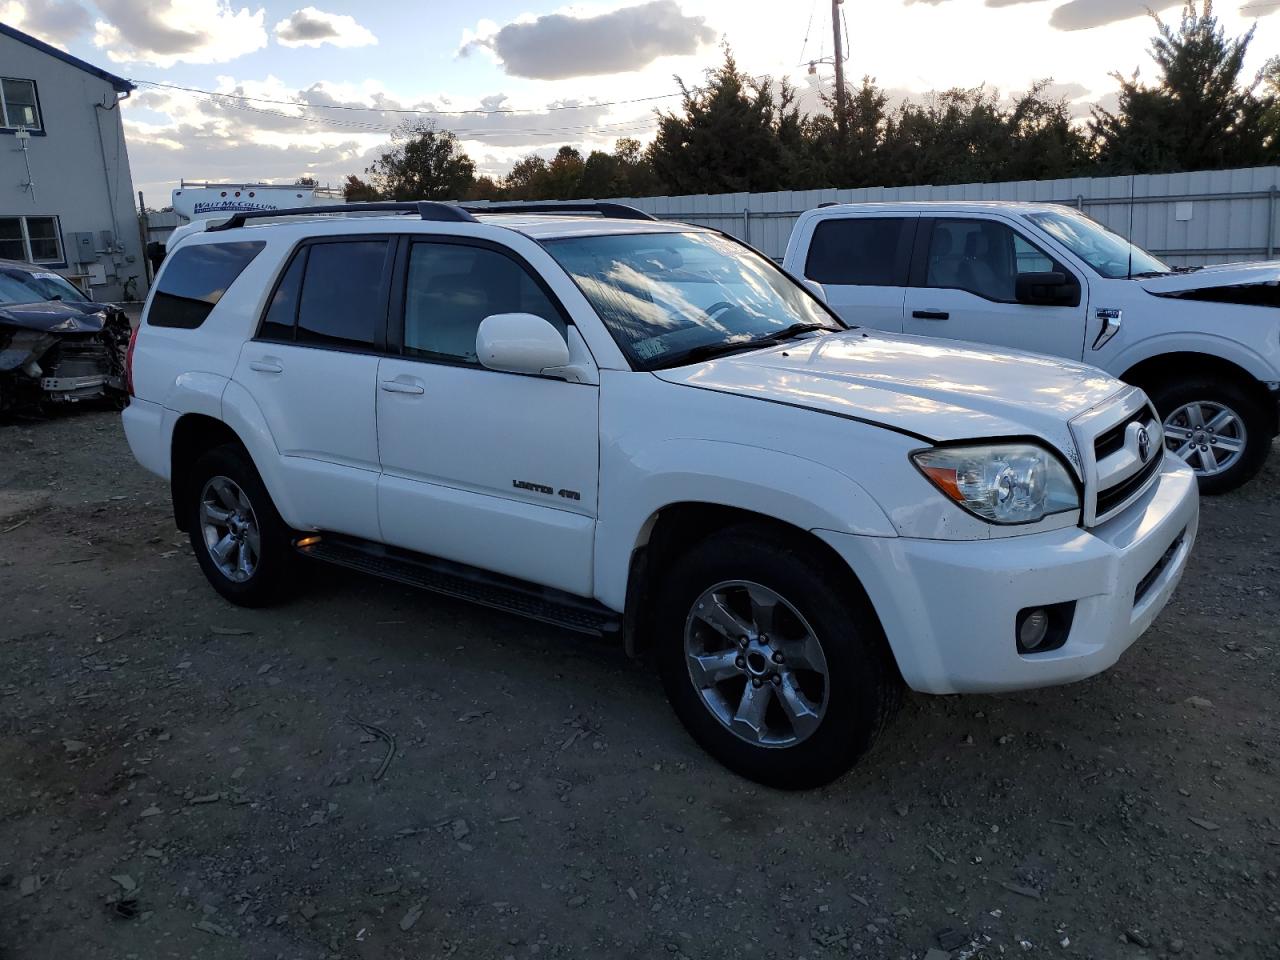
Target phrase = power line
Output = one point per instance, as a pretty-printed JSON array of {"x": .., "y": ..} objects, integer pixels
[{"x": 404, "y": 110}]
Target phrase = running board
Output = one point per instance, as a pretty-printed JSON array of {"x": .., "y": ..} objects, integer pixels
[{"x": 477, "y": 586}]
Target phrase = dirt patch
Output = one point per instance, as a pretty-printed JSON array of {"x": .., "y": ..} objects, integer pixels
[{"x": 182, "y": 778}]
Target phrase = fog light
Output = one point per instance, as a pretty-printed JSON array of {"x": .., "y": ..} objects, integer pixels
[{"x": 1033, "y": 627}]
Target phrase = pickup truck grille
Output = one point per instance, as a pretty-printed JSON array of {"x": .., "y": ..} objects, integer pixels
[{"x": 1112, "y": 440}]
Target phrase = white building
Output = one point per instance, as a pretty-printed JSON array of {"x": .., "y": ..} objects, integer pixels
[{"x": 66, "y": 194}]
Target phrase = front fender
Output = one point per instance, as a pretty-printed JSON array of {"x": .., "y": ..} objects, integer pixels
[
  {"x": 1262, "y": 368},
  {"x": 797, "y": 491}
]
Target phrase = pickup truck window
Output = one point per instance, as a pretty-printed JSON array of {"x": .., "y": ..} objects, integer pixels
[
  {"x": 339, "y": 290},
  {"x": 1109, "y": 253},
  {"x": 663, "y": 295},
  {"x": 452, "y": 287},
  {"x": 861, "y": 251}
]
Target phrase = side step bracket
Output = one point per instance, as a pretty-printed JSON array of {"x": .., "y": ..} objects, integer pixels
[{"x": 465, "y": 583}]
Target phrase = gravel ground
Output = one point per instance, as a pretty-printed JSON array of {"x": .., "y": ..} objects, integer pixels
[{"x": 182, "y": 778}]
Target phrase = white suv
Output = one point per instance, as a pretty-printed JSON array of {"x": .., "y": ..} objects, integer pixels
[
  {"x": 1204, "y": 343},
  {"x": 647, "y": 429}
]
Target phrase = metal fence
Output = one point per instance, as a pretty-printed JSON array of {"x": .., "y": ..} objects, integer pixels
[{"x": 1188, "y": 219}]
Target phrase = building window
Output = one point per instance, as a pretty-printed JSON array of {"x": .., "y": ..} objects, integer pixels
[
  {"x": 35, "y": 239},
  {"x": 18, "y": 106}
]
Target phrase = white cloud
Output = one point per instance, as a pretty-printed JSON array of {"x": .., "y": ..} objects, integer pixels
[
  {"x": 165, "y": 32},
  {"x": 53, "y": 21},
  {"x": 557, "y": 46},
  {"x": 1087, "y": 14},
  {"x": 310, "y": 27}
]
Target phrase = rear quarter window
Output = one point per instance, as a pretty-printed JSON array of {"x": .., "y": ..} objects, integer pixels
[
  {"x": 861, "y": 251},
  {"x": 194, "y": 280}
]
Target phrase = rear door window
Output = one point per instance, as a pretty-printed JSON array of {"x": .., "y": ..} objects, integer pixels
[
  {"x": 195, "y": 279},
  {"x": 343, "y": 300},
  {"x": 861, "y": 251}
]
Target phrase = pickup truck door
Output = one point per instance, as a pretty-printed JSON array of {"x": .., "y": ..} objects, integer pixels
[
  {"x": 311, "y": 370},
  {"x": 862, "y": 262},
  {"x": 496, "y": 470},
  {"x": 963, "y": 286}
]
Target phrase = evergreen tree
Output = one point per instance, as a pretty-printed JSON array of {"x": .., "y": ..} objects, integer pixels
[{"x": 1200, "y": 116}]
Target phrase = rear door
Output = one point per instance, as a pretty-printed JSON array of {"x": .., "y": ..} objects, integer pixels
[
  {"x": 863, "y": 262},
  {"x": 964, "y": 286},
  {"x": 496, "y": 470},
  {"x": 313, "y": 368}
]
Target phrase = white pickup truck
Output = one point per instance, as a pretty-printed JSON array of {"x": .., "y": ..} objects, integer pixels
[
  {"x": 647, "y": 430},
  {"x": 1203, "y": 343}
]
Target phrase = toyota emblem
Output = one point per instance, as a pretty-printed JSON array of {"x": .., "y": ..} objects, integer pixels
[{"x": 1144, "y": 445}]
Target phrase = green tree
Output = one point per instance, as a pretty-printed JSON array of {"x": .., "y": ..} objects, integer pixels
[
  {"x": 563, "y": 177},
  {"x": 851, "y": 158},
  {"x": 485, "y": 188},
  {"x": 732, "y": 135},
  {"x": 356, "y": 190},
  {"x": 424, "y": 163},
  {"x": 523, "y": 182},
  {"x": 1200, "y": 116}
]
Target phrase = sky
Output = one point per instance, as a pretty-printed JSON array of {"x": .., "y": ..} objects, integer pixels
[{"x": 316, "y": 90}]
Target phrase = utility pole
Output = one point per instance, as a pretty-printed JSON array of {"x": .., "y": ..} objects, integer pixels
[{"x": 841, "y": 114}]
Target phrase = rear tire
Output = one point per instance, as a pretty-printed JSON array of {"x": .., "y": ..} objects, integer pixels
[
  {"x": 1232, "y": 452},
  {"x": 239, "y": 539},
  {"x": 824, "y": 705}
]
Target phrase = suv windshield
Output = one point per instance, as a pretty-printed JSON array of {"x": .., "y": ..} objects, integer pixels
[
  {"x": 1109, "y": 253},
  {"x": 672, "y": 298},
  {"x": 18, "y": 286}
]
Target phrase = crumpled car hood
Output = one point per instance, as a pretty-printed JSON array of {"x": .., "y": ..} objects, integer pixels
[
  {"x": 1212, "y": 277},
  {"x": 55, "y": 316}
]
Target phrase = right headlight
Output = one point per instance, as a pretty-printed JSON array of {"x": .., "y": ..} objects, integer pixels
[{"x": 1001, "y": 482}]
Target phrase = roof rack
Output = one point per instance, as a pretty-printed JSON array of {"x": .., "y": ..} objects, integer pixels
[
  {"x": 619, "y": 211},
  {"x": 426, "y": 209}
]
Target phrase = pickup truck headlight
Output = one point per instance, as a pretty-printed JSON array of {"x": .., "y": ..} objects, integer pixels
[{"x": 1001, "y": 482}]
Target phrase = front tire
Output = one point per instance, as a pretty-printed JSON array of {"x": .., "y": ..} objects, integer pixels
[
  {"x": 239, "y": 539},
  {"x": 1217, "y": 427},
  {"x": 776, "y": 666}
]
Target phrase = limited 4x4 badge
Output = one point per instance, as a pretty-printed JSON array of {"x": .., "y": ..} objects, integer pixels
[{"x": 543, "y": 488}]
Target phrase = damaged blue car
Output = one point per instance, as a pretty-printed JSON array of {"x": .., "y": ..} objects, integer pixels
[{"x": 56, "y": 345}]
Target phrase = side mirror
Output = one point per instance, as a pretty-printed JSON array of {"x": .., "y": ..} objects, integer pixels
[
  {"x": 520, "y": 343},
  {"x": 1050, "y": 288},
  {"x": 814, "y": 287}
]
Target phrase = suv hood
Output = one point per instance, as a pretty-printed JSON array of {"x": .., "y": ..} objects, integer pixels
[
  {"x": 55, "y": 316},
  {"x": 937, "y": 390},
  {"x": 1213, "y": 277}
]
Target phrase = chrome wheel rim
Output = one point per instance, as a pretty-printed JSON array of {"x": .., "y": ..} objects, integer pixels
[
  {"x": 230, "y": 529},
  {"x": 1208, "y": 435},
  {"x": 756, "y": 664}
]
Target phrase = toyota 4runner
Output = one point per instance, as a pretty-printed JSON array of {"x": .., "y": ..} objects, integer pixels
[{"x": 648, "y": 430}]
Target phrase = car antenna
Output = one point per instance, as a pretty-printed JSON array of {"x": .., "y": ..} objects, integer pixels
[{"x": 1129, "y": 273}]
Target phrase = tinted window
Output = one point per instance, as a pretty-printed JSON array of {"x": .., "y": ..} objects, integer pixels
[
  {"x": 342, "y": 303},
  {"x": 973, "y": 255},
  {"x": 282, "y": 311},
  {"x": 861, "y": 251},
  {"x": 194, "y": 280},
  {"x": 452, "y": 287}
]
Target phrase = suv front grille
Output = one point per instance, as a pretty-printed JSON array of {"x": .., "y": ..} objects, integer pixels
[{"x": 1111, "y": 439}]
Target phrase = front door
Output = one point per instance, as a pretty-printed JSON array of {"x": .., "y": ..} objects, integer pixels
[
  {"x": 497, "y": 470},
  {"x": 312, "y": 370},
  {"x": 964, "y": 286}
]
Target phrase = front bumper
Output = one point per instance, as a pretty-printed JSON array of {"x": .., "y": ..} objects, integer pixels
[{"x": 949, "y": 608}]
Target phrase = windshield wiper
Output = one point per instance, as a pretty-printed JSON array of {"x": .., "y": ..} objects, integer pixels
[{"x": 709, "y": 351}]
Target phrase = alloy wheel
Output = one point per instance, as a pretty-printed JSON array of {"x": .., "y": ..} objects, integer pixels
[
  {"x": 1208, "y": 435},
  {"x": 230, "y": 529},
  {"x": 757, "y": 665}
]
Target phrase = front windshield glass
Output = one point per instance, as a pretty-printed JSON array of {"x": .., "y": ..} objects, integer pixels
[
  {"x": 18, "y": 286},
  {"x": 665, "y": 295},
  {"x": 1105, "y": 251}
]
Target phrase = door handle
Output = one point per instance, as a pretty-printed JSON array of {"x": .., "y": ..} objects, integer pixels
[
  {"x": 931, "y": 314},
  {"x": 403, "y": 386},
  {"x": 266, "y": 365}
]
